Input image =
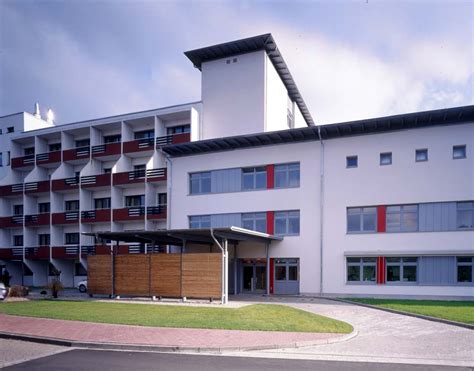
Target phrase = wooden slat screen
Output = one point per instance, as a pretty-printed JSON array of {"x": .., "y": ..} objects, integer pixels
[
  {"x": 166, "y": 275},
  {"x": 99, "y": 274},
  {"x": 202, "y": 275},
  {"x": 132, "y": 275}
]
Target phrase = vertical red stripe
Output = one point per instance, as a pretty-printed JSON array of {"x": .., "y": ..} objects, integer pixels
[
  {"x": 381, "y": 211},
  {"x": 272, "y": 274},
  {"x": 270, "y": 176},
  {"x": 380, "y": 270},
  {"x": 270, "y": 222}
]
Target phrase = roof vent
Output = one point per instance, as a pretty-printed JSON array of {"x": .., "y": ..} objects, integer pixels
[{"x": 37, "y": 111}]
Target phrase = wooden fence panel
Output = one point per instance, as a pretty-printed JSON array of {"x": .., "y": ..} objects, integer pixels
[
  {"x": 132, "y": 275},
  {"x": 99, "y": 274},
  {"x": 202, "y": 275},
  {"x": 166, "y": 275}
]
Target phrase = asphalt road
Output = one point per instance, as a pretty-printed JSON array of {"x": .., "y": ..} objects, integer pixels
[{"x": 91, "y": 360}]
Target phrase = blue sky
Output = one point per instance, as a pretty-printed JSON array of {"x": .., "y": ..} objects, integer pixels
[{"x": 350, "y": 59}]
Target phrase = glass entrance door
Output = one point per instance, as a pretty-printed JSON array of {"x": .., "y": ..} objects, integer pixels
[{"x": 254, "y": 277}]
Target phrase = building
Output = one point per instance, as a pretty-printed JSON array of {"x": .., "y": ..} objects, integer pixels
[{"x": 377, "y": 207}]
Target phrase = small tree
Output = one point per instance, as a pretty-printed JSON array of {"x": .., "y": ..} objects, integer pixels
[{"x": 55, "y": 285}]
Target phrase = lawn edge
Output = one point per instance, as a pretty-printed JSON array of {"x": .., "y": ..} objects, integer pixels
[{"x": 416, "y": 315}]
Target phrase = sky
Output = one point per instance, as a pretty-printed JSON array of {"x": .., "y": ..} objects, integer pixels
[{"x": 350, "y": 59}]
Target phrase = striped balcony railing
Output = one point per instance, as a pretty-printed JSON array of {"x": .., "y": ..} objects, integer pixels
[
  {"x": 37, "y": 187},
  {"x": 92, "y": 181},
  {"x": 136, "y": 248},
  {"x": 136, "y": 176},
  {"x": 11, "y": 190},
  {"x": 129, "y": 213},
  {"x": 48, "y": 158},
  {"x": 173, "y": 139},
  {"x": 156, "y": 212},
  {"x": 96, "y": 216},
  {"x": 156, "y": 175},
  {"x": 37, "y": 253},
  {"x": 65, "y": 252},
  {"x": 65, "y": 184},
  {"x": 108, "y": 149},
  {"x": 139, "y": 145},
  {"x": 87, "y": 250},
  {"x": 11, "y": 221},
  {"x": 80, "y": 153},
  {"x": 14, "y": 253},
  {"x": 24, "y": 161},
  {"x": 67, "y": 217},
  {"x": 37, "y": 219}
]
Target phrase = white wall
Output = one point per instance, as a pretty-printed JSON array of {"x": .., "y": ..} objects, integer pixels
[{"x": 276, "y": 98}]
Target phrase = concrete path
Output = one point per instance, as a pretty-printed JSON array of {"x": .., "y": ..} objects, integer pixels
[{"x": 13, "y": 351}]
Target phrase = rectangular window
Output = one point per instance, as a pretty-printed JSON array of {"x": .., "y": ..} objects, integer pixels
[
  {"x": 402, "y": 269},
  {"x": 361, "y": 269},
  {"x": 107, "y": 170},
  {"x": 464, "y": 269},
  {"x": 10, "y": 129},
  {"x": 102, "y": 203},
  {"x": 17, "y": 210},
  {"x": 54, "y": 147},
  {"x": 287, "y": 223},
  {"x": 352, "y": 161},
  {"x": 162, "y": 199},
  {"x": 71, "y": 205},
  {"x": 286, "y": 269},
  {"x": 465, "y": 215},
  {"x": 287, "y": 175},
  {"x": 254, "y": 178},
  {"x": 139, "y": 171},
  {"x": 44, "y": 239},
  {"x": 18, "y": 240},
  {"x": 83, "y": 143},
  {"x": 200, "y": 183},
  {"x": 403, "y": 218},
  {"x": 71, "y": 238},
  {"x": 112, "y": 138},
  {"x": 44, "y": 207},
  {"x": 145, "y": 134},
  {"x": 1, "y": 159},
  {"x": 386, "y": 158},
  {"x": 29, "y": 151},
  {"x": 459, "y": 151},
  {"x": 361, "y": 219},
  {"x": 200, "y": 221},
  {"x": 135, "y": 201},
  {"x": 255, "y": 222},
  {"x": 421, "y": 155},
  {"x": 178, "y": 129}
]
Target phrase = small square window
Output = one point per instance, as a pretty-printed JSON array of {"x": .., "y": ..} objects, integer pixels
[
  {"x": 234, "y": 60},
  {"x": 421, "y": 155},
  {"x": 459, "y": 151},
  {"x": 386, "y": 158},
  {"x": 351, "y": 161},
  {"x": 10, "y": 129}
]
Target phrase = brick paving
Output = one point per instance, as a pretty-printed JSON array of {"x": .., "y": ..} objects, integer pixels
[{"x": 87, "y": 332}]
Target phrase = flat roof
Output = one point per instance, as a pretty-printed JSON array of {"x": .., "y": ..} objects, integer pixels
[
  {"x": 249, "y": 45},
  {"x": 196, "y": 236},
  {"x": 416, "y": 120}
]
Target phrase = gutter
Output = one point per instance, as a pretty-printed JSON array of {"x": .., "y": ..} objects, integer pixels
[{"x": 321, "y": 211}]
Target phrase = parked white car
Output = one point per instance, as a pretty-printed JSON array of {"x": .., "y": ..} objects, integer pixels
[
  {"x": 82, "y": 286},
  {"x": 3, "y": 291}
]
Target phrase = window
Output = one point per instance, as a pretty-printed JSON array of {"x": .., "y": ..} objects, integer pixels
[
  {"x": 162, "y": 199},
  {"x": 361, "y": 219},
  {"x": 178, "y": 129},
  {"x": 8, "y": 158},
  {"x": 286, "y": 269},
  {"x": 44, "y": 207},
  {"x": 112, "y": 138},
  {"x": 29, "y": 151},
  {"x": 401, "y": 269},
  {"x": 44, "y": 239},
  {"x": 135, "y": 201},
  {"x": 102, "y": 203},
  {"x": 83, "y": 143},
  {"x": 79, "y": 270},
  {"x": 287, "y": 223},
  {"x": 54, "y": 147},
  {"x": 287, "y": 175},
  {"x": 200, "y": 183},
  {"x": 200, "y": 221},
  {"x": 107, "y": 170},
  {"x": 10, "y": 129},
  {"x": 71, "y": 205},
  {"x": 1, "y": 159},
  {"x": 402, "y": 218},
  {"x": 254, "y": 178},
  {"x": 139, "y": 171},
  {"x": 351, "y": 161},
  {"x": 145, "y": 134},
  {"x": 459, "y": 152},
  {"x": 421, "y": 155},
  {"x": 71, "y": 238},
  {"x": 361, "y": 269},
  {"x": 465, "y": 215},
  {"x": 18, "y": 240},
  {"x": 464, "y": 269},
  {"x": 17, "y": 209},
  {"x": 255, "y": 221},
  {"x": 386, "y": 158}
]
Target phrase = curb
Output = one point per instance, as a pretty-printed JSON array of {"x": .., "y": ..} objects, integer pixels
[
  {"x": 173, "y": 349},
  {"x": 421, "y": 316}
]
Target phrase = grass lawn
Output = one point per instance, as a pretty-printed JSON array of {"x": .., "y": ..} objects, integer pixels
[
  {"x": 459, "y": 311},
  {"x": 265, "y": 317}
]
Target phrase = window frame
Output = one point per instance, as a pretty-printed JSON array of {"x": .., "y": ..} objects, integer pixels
[
  {"x": 68, "y": 203},
  {"x": 402, "y": 212},
  {"x": 68, "y": 236},
  {"x": 361, "y": 264},
  {"x": 361, "y": 219},
  {"x": 286, "y": 263},
  {"x": 421, "y": 150},
  {"x": 199, "y": 219},
  {"x": 468, "y": 209},
  {"x": 254, "y": 172},
  {"x": 101, "y": 201},
  {"x": 254, "y": 217},
  {"x": 200, "y": 177},
  {"x": 402, "y": 264},
  {"x": 278, "y": 216},
  {"x": 286, "y": 169},
  {"x": 463, "y": 147},
  {"x": 464, "y": 264},
  {"x": 382, "y": 155}
]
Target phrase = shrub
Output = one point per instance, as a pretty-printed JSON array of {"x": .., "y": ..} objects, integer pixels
[
  {"x": 55, "y": 286},
  {"x": 18, "y": 291}
]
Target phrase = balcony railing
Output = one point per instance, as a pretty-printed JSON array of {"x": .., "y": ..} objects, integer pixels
[
  {"x": 65, "y": 252},
  {"x": 136, "y": 176},
  {"x": 79, "y": 153},
  {"x": 129, "y": 213},
  {"x": 156, "y": 175},
  {"x": 65, "y": 184},
  {"x": 37, "y": 220},
  {"x": 15, "y": 253},
  {"x": 37, "y": 187},
  {"x": 37, "y": 253},
  {"x": 11, "y": 190},
  {"x": 173, "y": 139},
  {"x": 108, "y": 149},
  {"x": 146, "y": 144},
  {"x": 96, "y": 216},
  {"x": 68, "y": 217},
  {"x": 91, "y": 181},
  {"x": 24, "y": 161},
  {"x": 156, "y": 212},
  {"x": 48, "y": 158},
  {"x": 11, "y": 221},
  {"x": 87, "y": 250}
]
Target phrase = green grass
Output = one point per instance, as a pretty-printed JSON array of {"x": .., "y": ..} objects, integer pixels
[
  {"x": 459, "y": 311},
  {"x": 265, "y": 317}
]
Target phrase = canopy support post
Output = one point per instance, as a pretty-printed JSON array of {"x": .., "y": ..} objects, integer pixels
[{"x": 267, "y": 248}]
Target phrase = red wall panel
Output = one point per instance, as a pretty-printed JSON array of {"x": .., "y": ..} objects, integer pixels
[
  {"x": 270, "y": 176},
  {"x": 270, "y": 222},
  {"x": 381, "y": 213}
]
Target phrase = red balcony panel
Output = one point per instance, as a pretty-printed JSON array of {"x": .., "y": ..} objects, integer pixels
[
  {"x": 65, "y": 184},
  {"x": 37, "y": 219},
  {"x": 37, "y": 187},
  {"x": 91, "y": 181},
  {"x": 25, "y": 161},
  {"x": 11, "y": 221},
  {"x": 156, "y": 212},
  {"x": 6, "y": 254},
  {"x": 65, "y": 252},
  {"x": 139, "y": 145},
  {"x": 156, "y": 175},
  {"x": 108, "y": 149},
  {"x": 37, "y": 253},
  {"x": 96, "y": 216},
  {"x": 181, "y": 138},
  {"x": 128, "y": 177},
  {"x": 76, "y": 154},
  {"x": 48, "y": 158},
  {"x": 102, "y": 249},
  {"x": 68, "y": 217},
  {"x": 11, "y": 190},
  {"x": 129, "y": 213}
]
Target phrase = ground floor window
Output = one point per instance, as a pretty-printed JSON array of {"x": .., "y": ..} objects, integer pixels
[
  {"x": 79, "y": 270},
  {"x": 464, "y": 266},
  {"x": 401, "y": 269},
  {"x": 361, "y": 269},
  {"x": 286, "y": 269}
]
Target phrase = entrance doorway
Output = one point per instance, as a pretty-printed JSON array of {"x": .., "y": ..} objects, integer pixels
[{"x": 254, "y": 277}]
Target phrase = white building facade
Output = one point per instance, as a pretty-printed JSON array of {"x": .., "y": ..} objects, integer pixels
[{"x": 378, "y": 207}]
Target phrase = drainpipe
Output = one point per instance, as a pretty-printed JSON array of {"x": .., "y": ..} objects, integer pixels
[
  {"x": 224, "y": 261},
  {"x": 321, "y": 211}
]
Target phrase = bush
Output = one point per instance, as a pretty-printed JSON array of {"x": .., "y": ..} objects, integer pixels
[
  {"x": 55, "y": 286},
  {"x": 18, "y": 291}
]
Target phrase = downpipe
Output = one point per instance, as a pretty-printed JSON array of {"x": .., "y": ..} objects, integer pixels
[
  {"x": 321, "y": 212},
  {"x": 224, "y": 298}
]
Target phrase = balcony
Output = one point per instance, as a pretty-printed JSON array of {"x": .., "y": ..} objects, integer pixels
[
  {"x": 173, "y": 139},
  {"x": 48, "y": 158},
  {"x": 89, "y": 250},
  {"x": 139, "y": 145},
  {"x": 15, "y": 253},
  {"x": 75, "y": 154},
  {"x": 156, "y": 212},
  {"x": 156, "y": 175},
  {"x": 136, "y": 176},
  {"x": 65, "y": 252},
  {"x": 96, "y": 216},
  {"x": 11, "y": 221},
  {"x": 129, "y": 213},
  {"x": 95, "y": 181},
  {"x": 108, "y": 149},
  {"x": 37, "y": 220},
  {"x": 11, "y": 190},
  {"x": 37, "y": 253},
  {"x": 23, "y": 162},
  {"x": 65, "y": 184},
  {"x": 68, "y": 217},
  {"x": 37, "y": 187}
]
